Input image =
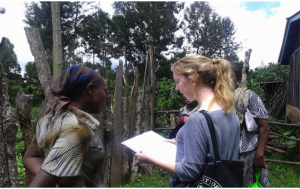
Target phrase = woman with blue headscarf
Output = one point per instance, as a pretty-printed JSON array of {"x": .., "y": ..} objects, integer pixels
[{"x": 66, "y": 150}]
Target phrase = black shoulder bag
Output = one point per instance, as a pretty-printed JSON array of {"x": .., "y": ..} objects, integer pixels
[{"x": 223, "y": 173}]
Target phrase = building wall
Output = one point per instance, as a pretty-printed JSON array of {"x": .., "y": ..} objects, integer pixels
[{"x": 293, "y": 100}]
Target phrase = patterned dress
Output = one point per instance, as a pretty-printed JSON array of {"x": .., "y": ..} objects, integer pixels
[
  {"x": 249, "y": 142},
  {"x": 70, "y": 148}
]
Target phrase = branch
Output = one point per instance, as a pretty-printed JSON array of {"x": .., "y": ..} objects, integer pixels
[
  {"x": 284, "y": 124},
  {"x": 276, "y": 150},
  {"x": 279, "y": 161}
]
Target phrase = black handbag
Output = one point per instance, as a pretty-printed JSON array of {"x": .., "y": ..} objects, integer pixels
[{"x": 223, "y": 173}]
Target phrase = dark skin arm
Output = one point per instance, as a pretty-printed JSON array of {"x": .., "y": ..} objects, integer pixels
[
  {"x": 263, "y": 135},
  {"x": 44, "y": 179},
  {"x": 33, "y": 162},
  {"x": 31, "y": 159}
]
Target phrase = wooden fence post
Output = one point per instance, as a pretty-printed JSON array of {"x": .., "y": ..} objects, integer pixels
[
  {"x": 246, "y": 68},
  {"x": 133, "y": 125},
  {"x": 116, "y": 176},
  {"x": 23, "y": 106},
  {"x": 153, "y": 84},
  {"x": 126, "y": 152}
]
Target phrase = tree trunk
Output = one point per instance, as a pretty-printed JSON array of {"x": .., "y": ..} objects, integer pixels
[
  {"x": 147, "y": 107},
  {"x": 8, "y": 129},
  {"x": 134, "y": 125},
  {"x": 75, "y": 31},
  {"x": 145, "y": 83},
  {"x": 105, "y": 132},
  {"x": 153, "y": 84},
  {"x": 57, "y": 43},
  {"x": 117, "y": 159},
  {"x": 23, "y": 106},
  {"x": 40, "y": 59},
  {"x": 126, "y": 151},
  {"x": 246, "y": 68}
]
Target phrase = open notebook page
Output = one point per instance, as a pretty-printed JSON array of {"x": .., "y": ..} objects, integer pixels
[{"x": 153, "y": 145}]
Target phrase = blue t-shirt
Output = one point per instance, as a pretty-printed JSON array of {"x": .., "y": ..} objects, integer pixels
[{"x": 194, "y": 146}]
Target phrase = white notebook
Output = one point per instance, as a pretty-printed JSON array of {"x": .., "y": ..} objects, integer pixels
[{"x": 153, "y": 145}]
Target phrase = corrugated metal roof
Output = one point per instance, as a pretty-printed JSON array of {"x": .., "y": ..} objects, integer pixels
[{"x": 290, "y": 35}]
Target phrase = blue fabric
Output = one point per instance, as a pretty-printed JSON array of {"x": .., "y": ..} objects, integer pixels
[{"x": 194, "y": 146}]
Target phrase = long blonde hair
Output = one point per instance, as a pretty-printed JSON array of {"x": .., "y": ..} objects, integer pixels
[{"x": 212, "y": 72}]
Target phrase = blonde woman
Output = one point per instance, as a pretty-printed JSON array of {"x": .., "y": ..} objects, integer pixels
[{"x": 207, "y": 81}]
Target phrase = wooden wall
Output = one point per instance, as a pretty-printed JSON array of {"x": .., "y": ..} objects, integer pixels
[{"x": 293, "y": 99}]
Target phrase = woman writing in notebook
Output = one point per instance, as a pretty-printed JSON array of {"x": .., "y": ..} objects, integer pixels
[{"x": 207, "y": 81}]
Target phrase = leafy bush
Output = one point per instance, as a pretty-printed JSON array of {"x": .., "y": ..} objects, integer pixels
[
  {"x": 34, "y": 89},
  {"x": 167, "y": 99},
  {"x": 269, "y": 73}
]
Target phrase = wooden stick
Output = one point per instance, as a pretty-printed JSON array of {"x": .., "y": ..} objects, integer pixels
[
  {"x": 279, "y": 161},
  {"x": 276, "y": 150},
  {"x": 273, "y": 133},
  {"x": 167, "y": 112},
  {"x": 159, "y": 129},
  {"x": 284, "y": 124}
]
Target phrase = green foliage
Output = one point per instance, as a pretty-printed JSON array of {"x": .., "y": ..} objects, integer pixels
[
  {"x": 135, "y": 22},
  {"x": 97, "y": 37},
  {"x": 271, "y": 72},
  {"x": 159, "y": 179},
  {"x": 167, "y": 99},
  {"x": 255, "y": 86},
  {"x": 31, "y": 74},
  {"x": 38, "y": 15},
  {"x": 10, "y": 62},
  {"x": 35, "y": 89}
]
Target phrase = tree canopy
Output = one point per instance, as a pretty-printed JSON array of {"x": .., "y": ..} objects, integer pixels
[
  {"x": 209, "y": 34},
  {"x": 10, "y": 61}
]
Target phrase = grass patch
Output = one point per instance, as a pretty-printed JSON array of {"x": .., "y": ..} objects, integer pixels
[
  {"x": 283, "y": 175},
  {"x": 159, "y": 179},
  {"x": 280, "y": 175}
]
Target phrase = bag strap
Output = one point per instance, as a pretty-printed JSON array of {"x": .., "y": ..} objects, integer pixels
[{"x": 212, "y": 134}]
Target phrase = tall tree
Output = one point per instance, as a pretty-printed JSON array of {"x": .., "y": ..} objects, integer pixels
[
  {"x": 141, "y": 20},
  {"x": 208, "y": 33},
  {"x": 96, "y": 34},
  {"x": 57, "y": 46},
  {"x": 10, "y": 62},
  {"x": 38, "y": 14},
  {"x": 156, "y": 20}
]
